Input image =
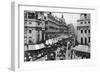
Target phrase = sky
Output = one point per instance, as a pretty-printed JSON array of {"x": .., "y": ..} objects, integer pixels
[{"x": 69, "y": 17}]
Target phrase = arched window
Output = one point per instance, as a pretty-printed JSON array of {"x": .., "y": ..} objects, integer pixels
[
  {"x": 81, "y": 40},
  {"x": 88, "y": 31},
  {"x": 85, "y": 31},
  {"x": 81, "y": 31},
  {"x": 30, "y": 31},
  {"x": 89, "y": 39},
  {"x": 85, "y": 40}
]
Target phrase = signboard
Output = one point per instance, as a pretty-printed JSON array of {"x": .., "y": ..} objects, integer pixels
[{"x": 36, "y": 47}]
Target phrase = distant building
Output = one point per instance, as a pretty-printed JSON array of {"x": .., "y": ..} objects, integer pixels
[
  {"x": 71, "y": 32},
  {"x": 83, "y": 29},
  {"x": 71, "y": 29}
]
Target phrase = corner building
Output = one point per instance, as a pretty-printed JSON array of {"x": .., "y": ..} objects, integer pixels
[
  {"x": 83, "y": 29},
  {"x": 34, "y": 27}
]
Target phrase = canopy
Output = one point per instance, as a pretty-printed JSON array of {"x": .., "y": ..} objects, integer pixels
[
  {"x": 50, "y": 41},
  {"x": 82, "y": 48},
  {"x": 55, "y": 40},
  {"x": 36, "y": 47}
]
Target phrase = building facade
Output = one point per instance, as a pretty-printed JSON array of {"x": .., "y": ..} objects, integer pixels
[
  {"x": 41, "y": 26},
  {"x": 34, "y": 27},
  {"x": 55, "y": 26},
  {"x": 83, "y": 29}
]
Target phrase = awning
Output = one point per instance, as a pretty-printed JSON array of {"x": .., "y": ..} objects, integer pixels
[
  {"x": 36, "y": 47},
  {"x": 55, "y": 40},
  {"x": 82, "y": 48}
]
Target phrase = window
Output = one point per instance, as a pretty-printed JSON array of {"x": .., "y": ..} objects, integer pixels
[
  {"x": 46, "y": 22},
  {"x": 30, "y": 40},
  {"x": 36, "y": 16},
  {"x": 88, "y": 22},
  {"x": 81, "y": 40},
  {"x": 81, "y": 22},
  {"x": 85, "y": 22},
  {"x": 30, "y": 22},
  {"x": 44, "y": 17},
  {"x": 81, "y": 31},
  {"x": 25, "y": 40},
  {"x": 46, "y": 28},
  {"x": 89, "y": 31},
  {"x": 89, "y": 39},
  {"x": 85, "y": 31},
  {"x": 50, "y": 13},
  {"x": 31, "y": 15},
  {"x": 25, "y": 22},
  {"x": 25, "y": 15},
  {"x": 30, "y": 31},
  {"x": 25, "y": 31},
  {"x": 85, "y": 15},
  {"x": 85, "y": 40}
]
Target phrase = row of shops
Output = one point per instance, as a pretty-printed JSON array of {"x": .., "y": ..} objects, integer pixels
[
  {"x": 60, "y": 48},
  {"x": 81, "y": 51},
  {"x": 49, "y": 48}
]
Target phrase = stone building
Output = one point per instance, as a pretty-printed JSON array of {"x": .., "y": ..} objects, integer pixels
[
  {"x": 41, "y": 26},
  {"x": 55, "y": 26},
  {"x": 83, "y": 29},
  {"x": 34, "y": 27}
]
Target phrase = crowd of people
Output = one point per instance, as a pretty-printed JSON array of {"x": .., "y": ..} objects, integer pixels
[
  {"x": 61, "y": 49},
  {"x": 53, "y": 51}
]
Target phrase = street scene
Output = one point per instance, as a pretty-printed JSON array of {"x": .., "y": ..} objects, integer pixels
[{"x": 51, "y": 36}]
